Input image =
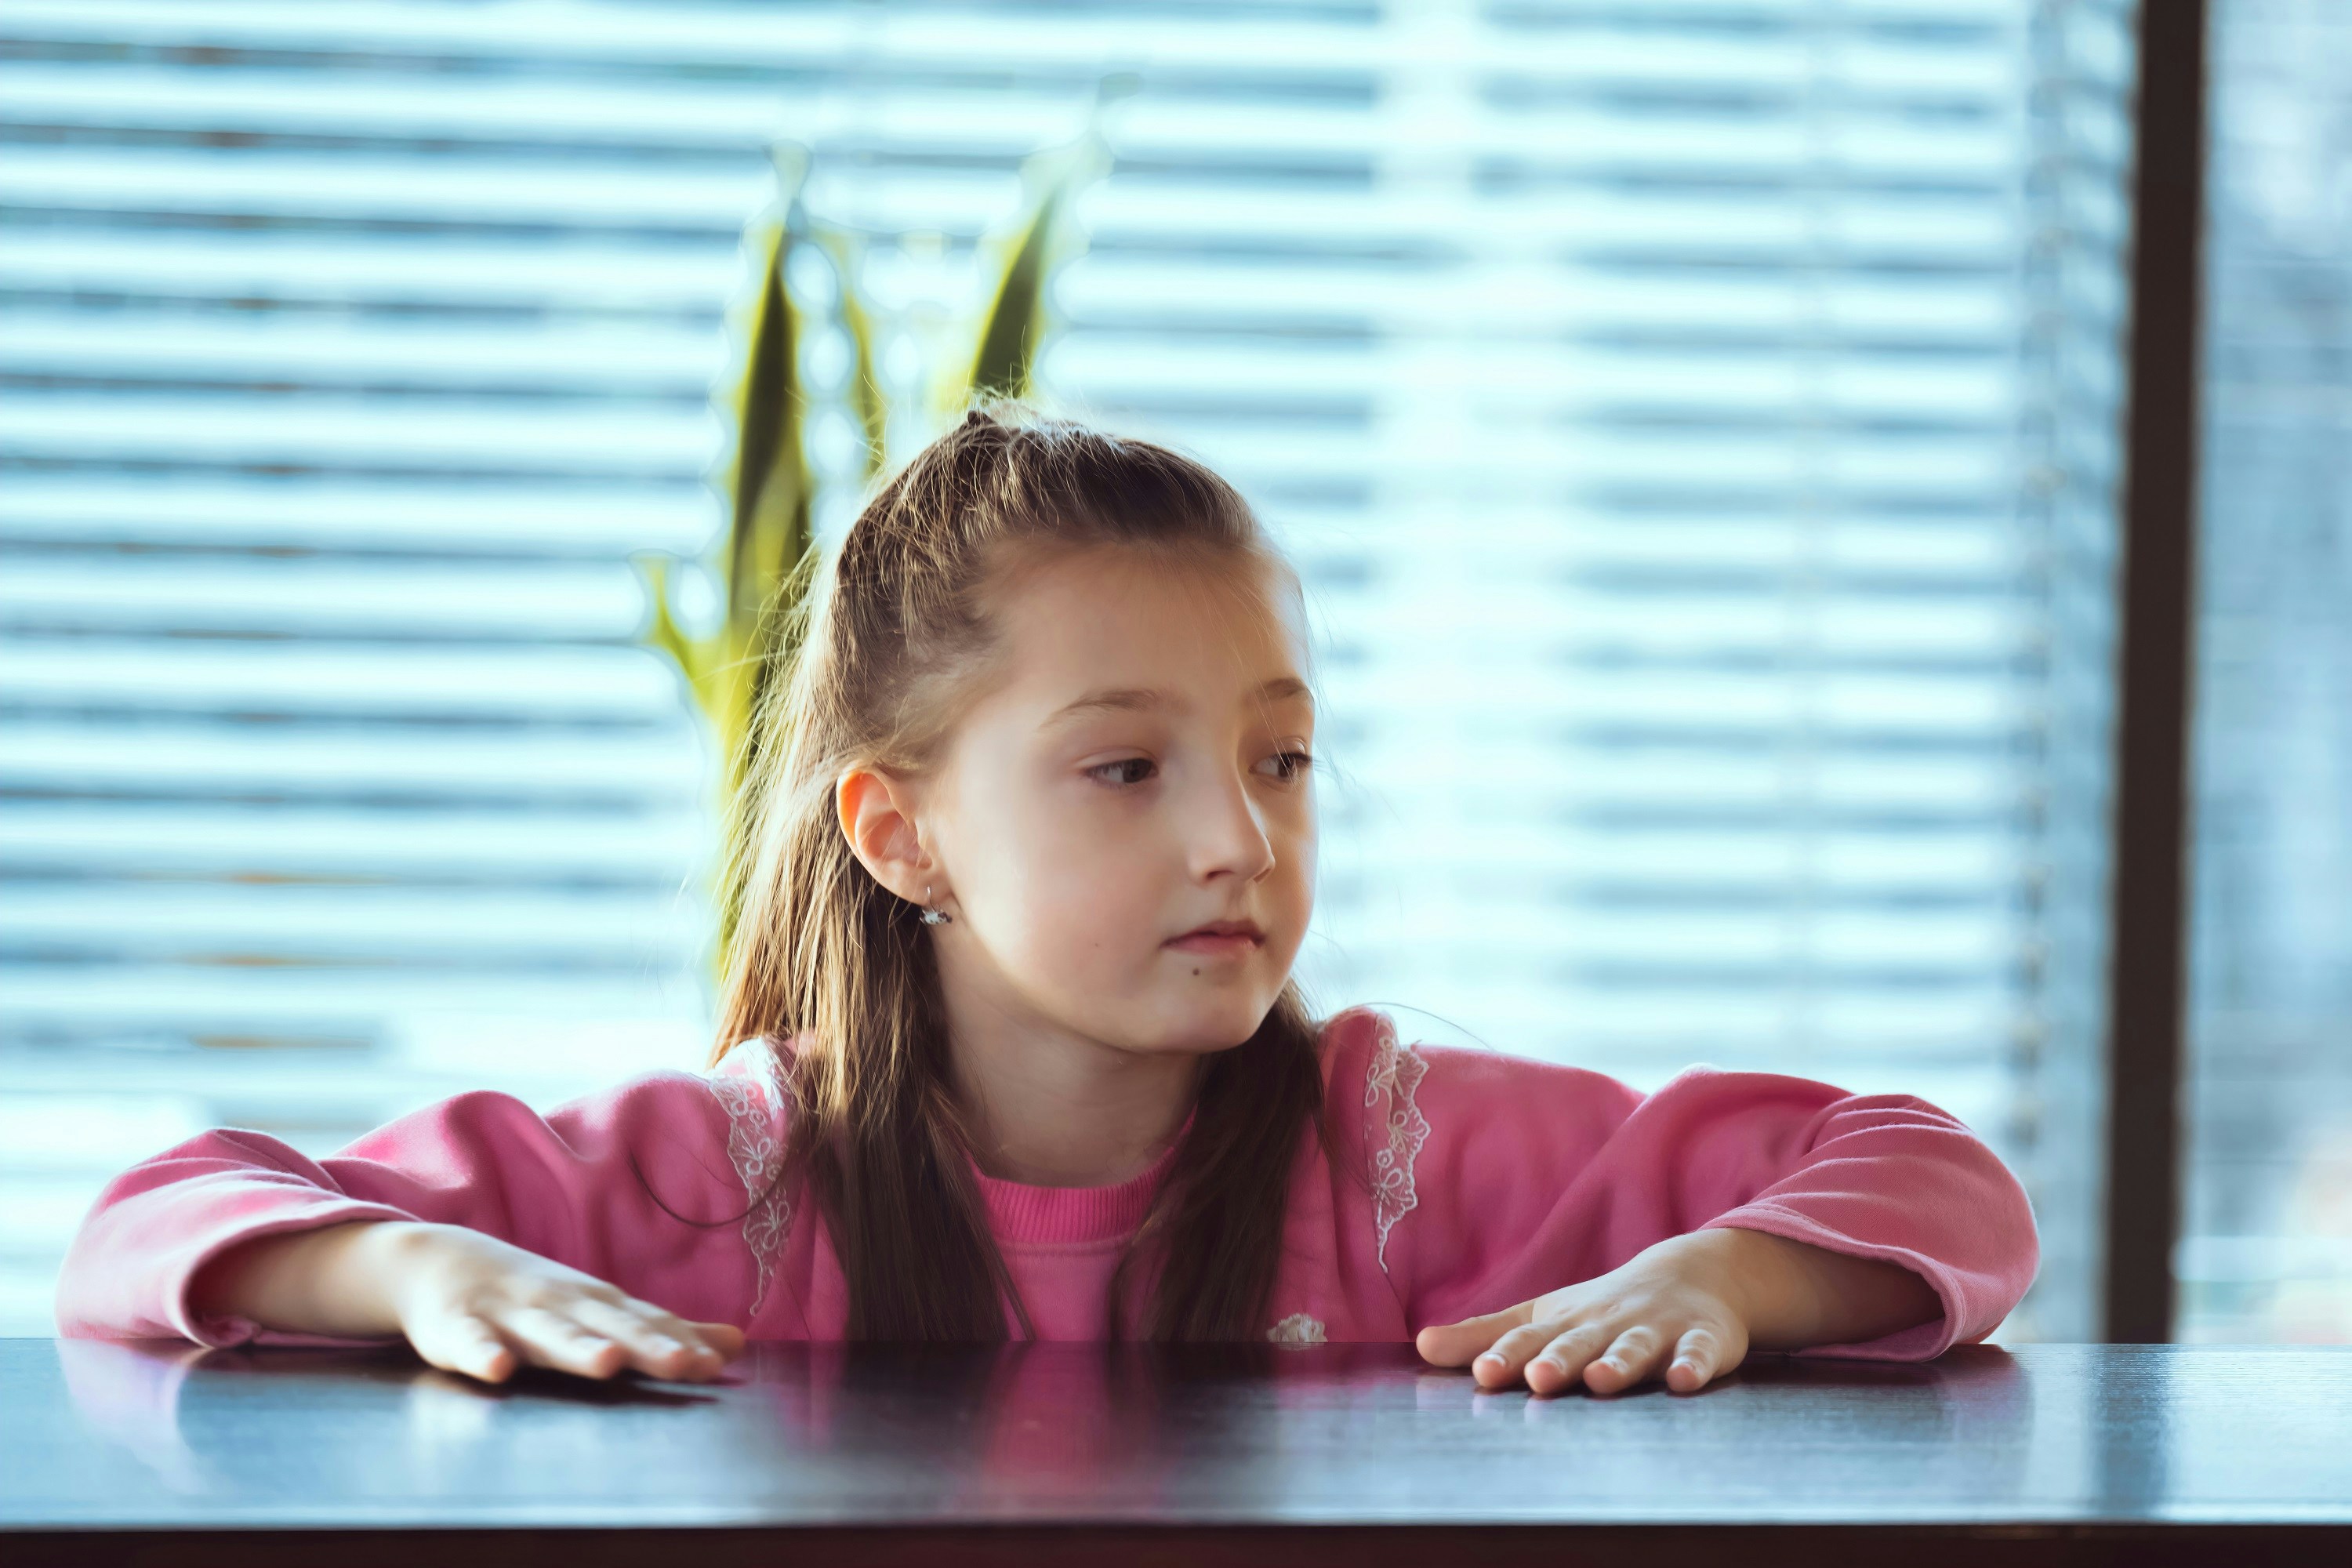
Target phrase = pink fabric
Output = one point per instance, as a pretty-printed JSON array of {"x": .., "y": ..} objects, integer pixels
[{"x": 1482, "y": 1179}]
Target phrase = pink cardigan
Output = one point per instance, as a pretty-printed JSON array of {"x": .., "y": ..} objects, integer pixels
[{"x": 1493, "y": 1179}]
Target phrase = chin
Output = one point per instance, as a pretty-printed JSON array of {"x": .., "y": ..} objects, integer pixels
[{"x": 1218, "y": 1024}]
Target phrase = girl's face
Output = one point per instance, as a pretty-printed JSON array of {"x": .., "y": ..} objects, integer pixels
[{"x": 1142, "y": 771}]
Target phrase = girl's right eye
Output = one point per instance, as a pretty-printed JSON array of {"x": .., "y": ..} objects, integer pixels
[{"x": 1122, "y": 763}]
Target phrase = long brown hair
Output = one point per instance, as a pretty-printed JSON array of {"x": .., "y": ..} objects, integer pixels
[{"x": 895, "y": 636}]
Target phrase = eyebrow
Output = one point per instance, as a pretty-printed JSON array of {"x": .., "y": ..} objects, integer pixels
[{"x": 1144, "y": 699}]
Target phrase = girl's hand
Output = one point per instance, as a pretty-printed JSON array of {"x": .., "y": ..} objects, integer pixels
[
  {"x": 467, "y": 1302},
  {"x": 472, "y": 1303},
  {"x": 1674, "y": 1304},
  {"x": 1688, "y": 1307}
]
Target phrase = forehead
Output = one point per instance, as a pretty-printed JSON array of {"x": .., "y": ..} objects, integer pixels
[{"x": 1130, "y": 617}]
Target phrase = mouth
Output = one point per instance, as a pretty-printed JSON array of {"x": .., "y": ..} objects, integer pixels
[{"x": 1222, "y": 938}]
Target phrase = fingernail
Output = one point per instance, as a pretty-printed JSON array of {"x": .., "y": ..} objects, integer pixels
[{"x": 1495, "y": 1356}]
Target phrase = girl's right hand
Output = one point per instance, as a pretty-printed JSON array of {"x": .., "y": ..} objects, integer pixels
[
  {"x": 467, "y": 1302},
  {"x": 472, "y": 1303}
]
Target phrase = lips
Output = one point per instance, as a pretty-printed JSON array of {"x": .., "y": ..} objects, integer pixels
[{"x": 1248, "y": 929}]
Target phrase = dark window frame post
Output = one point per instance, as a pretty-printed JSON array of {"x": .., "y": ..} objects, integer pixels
[{"x": 2148, "y": 989}]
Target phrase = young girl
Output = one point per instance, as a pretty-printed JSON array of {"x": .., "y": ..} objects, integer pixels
[{"x": 1009, "y": 1044}]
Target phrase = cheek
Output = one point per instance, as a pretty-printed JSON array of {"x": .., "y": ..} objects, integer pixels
[
  {"x": 1294, "y": 851},
  {"x": 1082, "y": 903},
  {"x": 1302, "y": 849},
  {"x": 1298, "y": 901}
]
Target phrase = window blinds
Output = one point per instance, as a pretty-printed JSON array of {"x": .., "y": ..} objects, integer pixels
[
  {"x": 1692, "y": 421},
  {"x": 2266, "y": 1248}
]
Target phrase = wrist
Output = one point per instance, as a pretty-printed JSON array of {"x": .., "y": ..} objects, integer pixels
[
  {"x": 332, "y": 1280},
  {"x": 1795, "y": 1294},
  {"x": 373, "y": 1266},
  {"x": 1750, "y": 1273},
  {"x": 1765, "y": 1279}
]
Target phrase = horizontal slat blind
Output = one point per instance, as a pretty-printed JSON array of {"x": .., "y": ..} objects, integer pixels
[
  {"x": 1648, "y": 392},
  {"x": 2266, "y": 1249}
]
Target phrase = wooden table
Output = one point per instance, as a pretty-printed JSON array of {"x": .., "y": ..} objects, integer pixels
[{"x": 162, "y": 1453}]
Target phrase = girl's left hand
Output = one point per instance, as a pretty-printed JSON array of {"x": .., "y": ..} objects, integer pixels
[
  {"x": 1688, "y": 1307},
  {"x": 1678, "y": 1306}
]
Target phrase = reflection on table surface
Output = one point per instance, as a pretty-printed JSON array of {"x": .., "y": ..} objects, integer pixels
[{"x": 160, "y": 1432}]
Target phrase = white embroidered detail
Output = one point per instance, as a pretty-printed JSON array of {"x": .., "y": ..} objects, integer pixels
[
  {"x": 1396, "y": 1072},
  {"x": 1298, "y": 1329},
  {"x": 749, "y": 1082}
]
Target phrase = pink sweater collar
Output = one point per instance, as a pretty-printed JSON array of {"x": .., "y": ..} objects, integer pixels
[{"x": 1019, "y": 1212}]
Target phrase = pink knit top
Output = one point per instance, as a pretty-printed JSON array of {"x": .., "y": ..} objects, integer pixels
[{"x": 1481, "y": 1180}]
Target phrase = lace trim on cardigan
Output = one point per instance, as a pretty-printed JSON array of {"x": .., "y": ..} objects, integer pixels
[
  {"x": 1395, "y": 1071},
  {"x": 1298, "y": 1329},
  {"x": 754, "y": 1102}
]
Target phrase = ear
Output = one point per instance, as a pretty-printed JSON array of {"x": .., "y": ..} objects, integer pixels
[{"x": 877, "y": 814}]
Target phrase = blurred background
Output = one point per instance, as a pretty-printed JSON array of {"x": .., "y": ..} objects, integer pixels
[{"x": 1696, "y": 422}]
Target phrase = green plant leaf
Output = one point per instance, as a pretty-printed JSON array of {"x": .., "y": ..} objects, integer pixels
[
  {"x": 768, "y": 461},
  {"x": 661, "y": 631},
  {"x": 848, "y": 253},
  {"x": 767, "y": 560},
  {"x": 1006, "y": 358},
  {"x": 1008, "y": 342}
]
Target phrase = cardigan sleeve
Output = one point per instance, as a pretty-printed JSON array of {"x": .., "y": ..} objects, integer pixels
[
  {"x": 1494, "y": 1179},
  {"x": 583, "y": 1185}
]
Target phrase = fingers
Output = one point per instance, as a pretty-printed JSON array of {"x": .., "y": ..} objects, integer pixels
[
  {"x": 1516, "y": 1353},
  {"x": 548, "y": 1338},
  {"x": 1608, "y": 1354},
  {"x": 1451, "y": 1344},
  {"x": 1698, "y": 1355},
  {"x": 1564, "y": 1359},
  {"x": 657, "y": 1343},
  {"x": 468, "y": 1345},
  {"x": 587, "y": 1336},
  {"x": 724, "y": 1338},
  {"x": 1631, "y": 1358}
]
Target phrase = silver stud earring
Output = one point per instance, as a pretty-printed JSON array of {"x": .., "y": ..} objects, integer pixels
[{"x": 933, "y": 917}]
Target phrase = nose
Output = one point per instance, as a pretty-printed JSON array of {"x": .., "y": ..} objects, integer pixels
[{"x": 1226, "y": 833}]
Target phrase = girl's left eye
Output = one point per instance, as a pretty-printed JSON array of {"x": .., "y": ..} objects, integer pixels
[
  {"x": 1122, "y": 763},
  {"x": 1295, "y": 763}
]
